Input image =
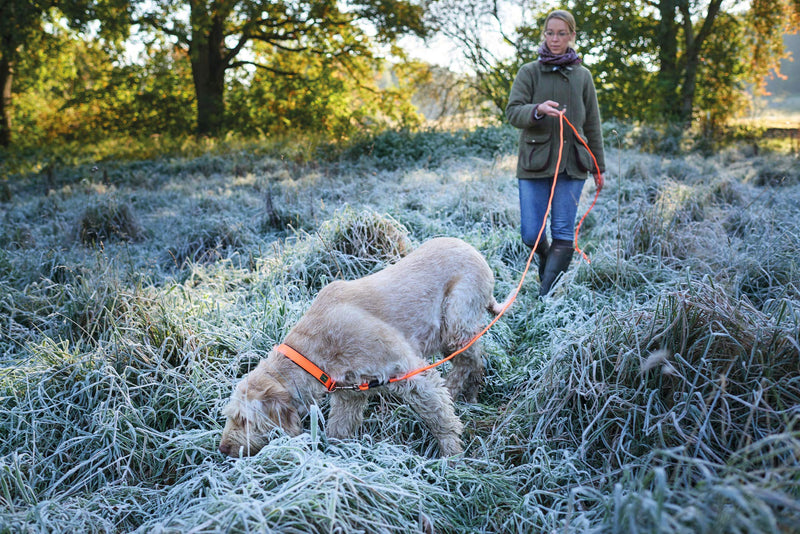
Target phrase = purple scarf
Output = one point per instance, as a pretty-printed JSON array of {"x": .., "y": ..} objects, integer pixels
[{"x": 567, "y": 58}]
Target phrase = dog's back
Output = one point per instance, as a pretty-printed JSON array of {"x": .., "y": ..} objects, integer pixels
[{"x": 437, "y": 292}]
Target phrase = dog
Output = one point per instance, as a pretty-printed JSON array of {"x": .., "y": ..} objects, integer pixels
[{"x": 372, "y": 329}]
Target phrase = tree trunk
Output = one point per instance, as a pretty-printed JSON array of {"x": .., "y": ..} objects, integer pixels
[
  {"x": 209, "y": 63},
  {"x": 6, "y": 77},
  {"x": 688, "y": 90},
  {"x": 668, "y": 71},
  {"x": 694, "y": 45}
]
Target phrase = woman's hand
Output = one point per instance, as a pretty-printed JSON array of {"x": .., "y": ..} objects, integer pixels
[
  {"x": 599, "y": 182},
  {"x": 549, "y": 107}
]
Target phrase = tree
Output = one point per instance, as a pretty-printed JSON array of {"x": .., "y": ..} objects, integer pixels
[
  {"x": 21, "y": 21},
  {"x": 679, "y": 51},
  {"x": 219, "y": 35},
  {"x": 470, "y": 24},
  {"x": 769, "y": 21},
  {"x": 69, "y": 88},
  {"x": 619, "y": 44},
  {"x": 698, "y": 47},
  {"x": 651, "y": 58},
  {"x": 328, "y": 101}
]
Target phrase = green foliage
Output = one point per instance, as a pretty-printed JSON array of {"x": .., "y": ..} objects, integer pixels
[
  {"x": 769, "y": 21},
  {"x": 21, "y": 30},
  {"x": 722, "y": 93},
  {"x": 618, "y": 43},
  {"x": 286, "y": 39},
  {"x": 316, "y": 71},
  {"x": 682, "y": 60},
  {"x": 334, "y": 100},
  {"x": 96, "y": 97},
  {"x": 653, "y": 62},
  {"x": 152, "y": 99},
  {"x": 394, "y": 149},
  {"x": 79, "y": 91}
]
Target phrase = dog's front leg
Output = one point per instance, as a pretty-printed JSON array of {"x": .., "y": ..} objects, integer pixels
[
  {"x": 346, "y": 415},
  {"x": 427, "y": 395}
]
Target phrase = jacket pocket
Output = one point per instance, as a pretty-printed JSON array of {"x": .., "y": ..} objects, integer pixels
[
  {"x": 535, "y": 154},
  {"x": 583, "y": 157}
]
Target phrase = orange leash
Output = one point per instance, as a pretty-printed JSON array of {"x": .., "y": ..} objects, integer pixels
[
  {"x": 597, "y": 189},
  {"x": 332, "y": 386},
  {"x": 513, "y": 296}
]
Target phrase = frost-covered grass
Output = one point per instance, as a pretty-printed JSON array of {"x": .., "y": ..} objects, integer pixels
[{"x": 656, "y": 390}]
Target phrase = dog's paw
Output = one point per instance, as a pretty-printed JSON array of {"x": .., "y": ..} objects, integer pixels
[{"x": 450, "y": 447}]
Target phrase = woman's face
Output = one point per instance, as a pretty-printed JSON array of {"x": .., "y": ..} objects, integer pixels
[{"x": 558, "y": 36}]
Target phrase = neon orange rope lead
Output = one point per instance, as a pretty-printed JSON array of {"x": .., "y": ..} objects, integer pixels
[{"x": 513, "y": 296}]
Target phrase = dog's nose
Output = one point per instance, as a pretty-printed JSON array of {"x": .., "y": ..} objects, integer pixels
[{"x": 225, "y": 448}]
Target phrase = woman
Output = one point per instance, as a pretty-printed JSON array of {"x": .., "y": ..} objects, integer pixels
[{"x": 544, "y": 89}]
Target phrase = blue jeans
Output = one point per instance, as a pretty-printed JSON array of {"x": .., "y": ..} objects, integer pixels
[{"x": 533, "y": 197}]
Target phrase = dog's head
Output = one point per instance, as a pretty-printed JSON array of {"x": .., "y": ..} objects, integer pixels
[{"x": 259, "y": 404}]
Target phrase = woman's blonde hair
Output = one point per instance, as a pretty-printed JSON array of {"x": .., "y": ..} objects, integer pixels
[{"x": 562, "y": 15}]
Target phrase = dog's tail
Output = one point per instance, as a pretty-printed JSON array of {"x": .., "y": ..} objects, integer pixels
[{"x": 498, "y": 308}]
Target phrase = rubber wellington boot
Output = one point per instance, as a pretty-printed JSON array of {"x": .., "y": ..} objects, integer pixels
[
  {"x": 558, "y": 259},
  {"x": 542, "y": 250}
]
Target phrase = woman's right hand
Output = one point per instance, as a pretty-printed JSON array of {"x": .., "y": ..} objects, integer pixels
[{"x": 549, "y": 107}]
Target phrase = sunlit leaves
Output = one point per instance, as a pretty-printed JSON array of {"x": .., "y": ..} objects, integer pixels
[
  {"x": 280, "y": 38},
  {"x": 768, "y": 21},
  {"x": 78, "y": 90},
  {"x": 332, "y": 96},
  {"x": 22, "y": 22}
]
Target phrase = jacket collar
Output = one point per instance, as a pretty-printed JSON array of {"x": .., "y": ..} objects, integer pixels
[{"x": 563, "y": 69}]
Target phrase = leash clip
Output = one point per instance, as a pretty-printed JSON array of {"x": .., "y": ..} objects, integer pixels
[{"x": 375, "y": 383}]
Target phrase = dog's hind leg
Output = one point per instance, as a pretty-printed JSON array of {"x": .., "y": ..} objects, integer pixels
[
  {"x": 427, "y": 396},
  {"x": 463, "y": 312},
  {"x": 465, "y": 377},
  {"x": 346, "y": 414}
]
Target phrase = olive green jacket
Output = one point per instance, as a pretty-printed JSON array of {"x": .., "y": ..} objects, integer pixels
[{"x": 539, "y": 139}]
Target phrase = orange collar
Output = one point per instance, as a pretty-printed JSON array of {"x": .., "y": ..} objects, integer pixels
[
  {"x": 323, "y": 377},
  {"x": 307, "y": 365}
]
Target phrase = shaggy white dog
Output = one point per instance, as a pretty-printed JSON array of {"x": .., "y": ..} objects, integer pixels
[{"x": 375, "y": 328}]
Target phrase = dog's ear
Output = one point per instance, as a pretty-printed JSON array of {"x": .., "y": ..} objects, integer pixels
[
  {"x": 278, "y": 407},
  {"x": 289, "y": 419}
]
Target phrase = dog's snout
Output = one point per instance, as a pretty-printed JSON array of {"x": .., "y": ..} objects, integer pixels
[{"x": 225, "y": 448}]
